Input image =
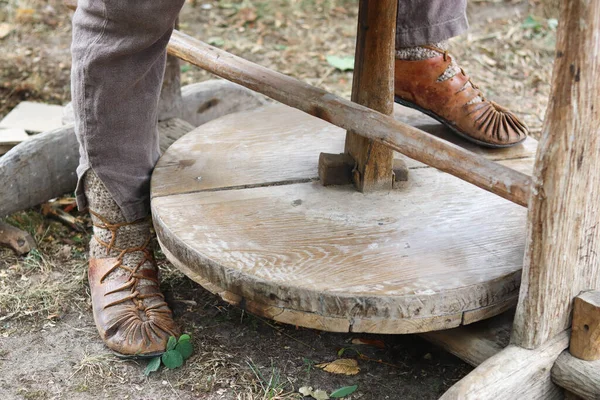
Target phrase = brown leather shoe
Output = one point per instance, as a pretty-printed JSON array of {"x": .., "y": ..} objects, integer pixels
[
  {"x": 455, "y": 102},
  {"x": 130, "y": 312}
]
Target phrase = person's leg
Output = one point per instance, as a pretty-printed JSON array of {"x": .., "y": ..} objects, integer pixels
[
  {"x": 427, "y": 77},
  {"x": 118, "y": 64},
  {"x": 422, "y": 22}
]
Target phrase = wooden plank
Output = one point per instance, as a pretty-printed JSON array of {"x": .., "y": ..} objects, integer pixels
[
  {"x": 562, "y": 257},
  {"x": 513, "y": 373},
  {"x": 407, "y": 140},
  {"x": 373, "y": 87},
  {"x": 577, "y": 376},
  {"x": 585, "y": 330},
  {"x": 477, "y": 342},
  {"x": 272, "y": 145}
]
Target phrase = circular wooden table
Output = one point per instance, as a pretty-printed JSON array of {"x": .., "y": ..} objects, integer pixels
[{"x": 238, "y": 207}]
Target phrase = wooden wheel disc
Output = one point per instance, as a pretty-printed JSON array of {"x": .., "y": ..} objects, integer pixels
[{"x": 238, "y": 207}]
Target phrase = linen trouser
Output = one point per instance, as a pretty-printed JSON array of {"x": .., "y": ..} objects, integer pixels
[{"x": 119, "y": 56}]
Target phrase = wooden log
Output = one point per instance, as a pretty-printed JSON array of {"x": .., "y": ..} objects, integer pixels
[
  {"x": 561, "y": 256},
  {"x": 401, "y": 137},
  {"x": 373, "y": 87},
  {"x": 12, "y": 237},
  {"x": 513, "y": 373},
  {"x": 39, "y": 169},
  {"x": 585, "y": 331},
  {"x": 577, "y": 376},
  {"x": 43, "y": 167}
]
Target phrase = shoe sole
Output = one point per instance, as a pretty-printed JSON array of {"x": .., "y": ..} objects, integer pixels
[{"x": 453, "y": 128}]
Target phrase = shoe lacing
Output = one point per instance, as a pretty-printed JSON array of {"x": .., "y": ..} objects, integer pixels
[
  {"x": 133, "y": 273},
  {"x": 446, "y": 54}
]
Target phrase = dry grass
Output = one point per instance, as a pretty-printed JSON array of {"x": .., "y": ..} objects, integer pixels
[{"x": 49, "y": 281}]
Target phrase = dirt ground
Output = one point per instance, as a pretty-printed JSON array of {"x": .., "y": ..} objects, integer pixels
[{"x": 49, "y": 348}]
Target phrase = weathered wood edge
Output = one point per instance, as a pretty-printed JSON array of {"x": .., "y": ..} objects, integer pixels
[
  {"x": 253, "y": 294},
  {"x": 577, "y": 376}
]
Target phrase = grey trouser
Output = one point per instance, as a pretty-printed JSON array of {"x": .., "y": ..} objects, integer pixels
[{"x": 118, "y": 62}]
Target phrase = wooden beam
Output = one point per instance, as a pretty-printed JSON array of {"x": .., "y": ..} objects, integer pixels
[
  {"x": 561, "y": 254},
  {"x": 410, "y": 141},
  {"x": 513, "y": 373},
  {"x": 477, "y": 342},
  {"x": 577, "y": 376},
  {"x": 585, "y": 336},
  {"x": 373, "y": 87}
]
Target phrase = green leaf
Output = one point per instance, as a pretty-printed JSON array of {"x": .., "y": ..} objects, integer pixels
[
  {"x": 152, "y": 366},
  {"x": 343, "y": 392},
  {"x": 531, "y": 23},
  {"x": 172, "y": 359},
  {"x": 184, "y": 337},
  {"x": 341, "y": 351},
  {"x": 343, "y": 63},
  {"x": 171, "y": 343},
  {"x": 185, "y": 348}
]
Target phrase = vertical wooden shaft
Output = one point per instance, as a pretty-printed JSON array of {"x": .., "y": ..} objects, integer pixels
[
  {"x": 373, "y": 87},
  {"x": 170, "y": 103},
  {"x": 562, "y": 254},
  {"x": 585, "y": 330}
]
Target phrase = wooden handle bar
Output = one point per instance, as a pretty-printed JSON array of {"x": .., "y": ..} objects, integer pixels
[{"x": 412, "y": 142}]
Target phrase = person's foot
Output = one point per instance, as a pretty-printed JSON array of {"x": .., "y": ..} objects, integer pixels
[
  {"x": 130, "y": 312},
  {"x": 428, "y": 79}
]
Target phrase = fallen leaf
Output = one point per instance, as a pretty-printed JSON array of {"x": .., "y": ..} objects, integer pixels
[
  {"x": 343, "y": 366},
  {"x": 315, "y": 394},
  {"x": 24, "y": 15}
]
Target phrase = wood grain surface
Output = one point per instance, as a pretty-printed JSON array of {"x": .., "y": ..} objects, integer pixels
[
  {"x": 578, "y": 376},
  {"x": 259, "y": 226}
]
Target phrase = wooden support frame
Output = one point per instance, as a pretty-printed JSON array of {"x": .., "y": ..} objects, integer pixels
[
  {"x": 373, "y": 87},
  {"x": 410, "y": 141},
  {"x": 561, "y": 255}
]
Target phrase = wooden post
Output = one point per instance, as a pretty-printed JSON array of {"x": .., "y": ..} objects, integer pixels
[
  {"x": 373, "y": 87},
  {"x": 170, "y": 103},
  {"x": 561, "y": 255},
  {"x": 585, "y": 331}
]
